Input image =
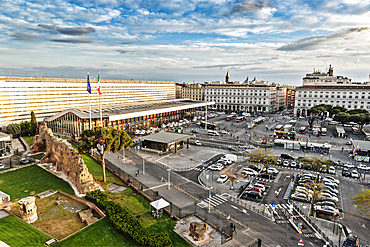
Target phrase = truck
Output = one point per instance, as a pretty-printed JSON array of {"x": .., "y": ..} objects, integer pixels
[{"x": 230, "y": 157}]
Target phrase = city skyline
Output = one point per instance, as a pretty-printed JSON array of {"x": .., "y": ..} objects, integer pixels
[{"x": 185, "y": 41}]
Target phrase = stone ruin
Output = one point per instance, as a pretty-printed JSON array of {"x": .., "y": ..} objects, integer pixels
[
  {"x": 66, "y": 159},
  {"x": 198, "y": 230},
  {"x": 28, "y": 209},
  {"x": 87, "y": 216}
]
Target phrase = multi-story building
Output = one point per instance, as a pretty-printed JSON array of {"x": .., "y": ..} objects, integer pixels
[
  {"x": 178, "y": 87},
  {"x": 281, "y": 98},
  {"x": 325, "y": 88},
  {"x": 290, "y": 97},
  {"x": 48, "y": 97},
  {"x": 249, "y": 96},
  {"x": 194, "y": 91}
]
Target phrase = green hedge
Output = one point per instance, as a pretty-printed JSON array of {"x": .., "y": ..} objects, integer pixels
[{"x": 127, "y": 224}]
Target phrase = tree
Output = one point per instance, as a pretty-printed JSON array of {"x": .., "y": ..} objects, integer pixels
[
  {"x": 33, "y": 123},
  {"x": 13, "y": 129},
  {"x": 315, "y": 188},
  {"x": 362, "y": 201},
  {"x": 105, "y": 139},
  {"x": 26, "y": 127}
]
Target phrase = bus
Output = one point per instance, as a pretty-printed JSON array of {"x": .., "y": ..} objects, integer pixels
[
  {"x": 239, "y": 119},
  {"x": 354, "y": 130},
  {"x": 302, "y": 130},
  {"x": 279, "y": 127},
  {"x": 323, "y": 131},
  {"x": 287, "y": 127},
  {"x": 210, "y": 126},
  {"x": 230, "y": 117}
]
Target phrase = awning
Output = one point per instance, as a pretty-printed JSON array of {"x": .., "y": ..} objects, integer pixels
[{"x": 158, "y": 204}]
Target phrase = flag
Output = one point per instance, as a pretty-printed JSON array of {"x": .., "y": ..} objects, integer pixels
[
  {"x": 88, "y": 84},
  {"x": 98, "y": 87}
]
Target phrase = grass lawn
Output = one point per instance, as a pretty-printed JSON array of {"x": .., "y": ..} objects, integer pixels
[
  {"x": 31, "y": 181},
  {"x": 100, "y": 233},
  {"x": 15, "y": 232},
  {"x": 38, "y": 156},
  {"x": 28, "y": 139},
  {"x": 58, "y": 221}
]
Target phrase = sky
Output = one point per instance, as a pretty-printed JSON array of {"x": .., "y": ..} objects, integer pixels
[{"x": 185, "y": 40}]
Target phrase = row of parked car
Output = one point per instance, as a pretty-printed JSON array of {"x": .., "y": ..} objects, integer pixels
[
  {"x": 226, "y": 160},
  {"x": 327, "y": 199},
  {"x": 255, "y": 191},
  {"x": 253, "y": 170}
]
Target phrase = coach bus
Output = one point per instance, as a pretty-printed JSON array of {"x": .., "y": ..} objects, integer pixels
[
  {"x": 230, "y": 117},
  {"x": 279, "y": 127},
  {"x": 210, "y": 126},
  {"x": 355, "y": 130},
  {"x": 239, "y": 119}
]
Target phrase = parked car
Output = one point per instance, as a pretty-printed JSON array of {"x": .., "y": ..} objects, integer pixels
[
  {"x": 258, "y": 189},
  {"x": 351, "y": 241},
  {"x": 327, "y": 210},
  {"x": 349, "y": 165},
  {"x": 198, "y": 143},
  {"x": 216, "y": 167},
  {"x": 286, "y": 163},
  {"x": 266, "y": 175},
  {"x": 286, "y": 156},
  {"x": 331, "y": 170},
  {"x": 362, "y": 167},
  {"x": 335, "y": 191},
  {"x": 327, "y": 197},
  {"x": 24, "y": 161},
  {"x": 260, "y": 185},
  {"x": 252, "y": 194},
  {"x": 293, "y": 164},
  {"x": 346, "y": 172},
  {"x": 272, "y": 170},
  {"x": 223, "y": 132},
  {"x": 249, "y": 171},
  {"x": 326, "y": 203},
  {"x": 222, "y": 179},
  {"x": 355, "y": 174},
  {"x": 349, "y": 143},
  {"x": 333, "y": 179},
  {"x": 300, "y": 197}
]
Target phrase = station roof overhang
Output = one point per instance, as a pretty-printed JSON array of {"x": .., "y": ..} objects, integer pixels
[
  {"x": 119, "y": 112},
  {"x": 167, "y": 137},
  {"x": 360, "y": 145}
]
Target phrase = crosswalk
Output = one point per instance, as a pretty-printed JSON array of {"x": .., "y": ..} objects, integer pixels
[
  {"x": 199, "y": 169},
  {"x": 279, "y": 206},
  {"x": 214, "y": 201}
]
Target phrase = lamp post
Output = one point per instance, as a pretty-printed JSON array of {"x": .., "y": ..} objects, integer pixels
[
  {"x": 143, "y": 166},
  {"x": 169, "y": 177},
  {"x": 340, "y": 233},
  {"x": 209, "y": 199}
]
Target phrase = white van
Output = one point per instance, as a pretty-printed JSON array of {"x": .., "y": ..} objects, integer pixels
[{"x": 212, "y": 133}]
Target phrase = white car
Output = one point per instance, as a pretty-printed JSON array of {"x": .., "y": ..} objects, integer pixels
[
  {"x": 286, "y": 163},
  {"x": 355, "y": 174},
  {"x": 293, "y": 164},
  {"x": 301, "y": 197},
  {"x": 2, "y": 166},
  {"x": 198, "y": 143},
  {"x": 327, "y": 197},
  {"x": 223, "y": 132},
  {"x": 332, "y": 179},
  {"x": 331, "y": 170},
  {"x": 327, "y": 210},
  {"x": 272, "y": 170},
  {"x": 362, "y": 167},
  {"x": 222, "y": 179},
  {"x": 216, "y": 167},
  {"x": 249, "y": 171}
]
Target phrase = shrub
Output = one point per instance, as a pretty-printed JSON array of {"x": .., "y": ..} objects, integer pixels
[{"x": 127, "y": 224}]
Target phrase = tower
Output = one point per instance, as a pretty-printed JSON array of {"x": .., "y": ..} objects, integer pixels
[
  {"x": 227, "y": 77},
  {"x": 331, "y": 70}
]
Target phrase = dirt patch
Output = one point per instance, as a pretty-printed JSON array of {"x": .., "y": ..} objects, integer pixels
[{"x": 57, "y": 219}]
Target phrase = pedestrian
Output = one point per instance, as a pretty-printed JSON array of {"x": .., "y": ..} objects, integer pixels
[
  {"x": 342, "y": 149},
  {"x": 235, "y": 228},
  {"x": 138, "y": 172}
]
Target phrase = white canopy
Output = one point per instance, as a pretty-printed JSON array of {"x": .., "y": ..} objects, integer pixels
[{"x": 158, "y": 204}]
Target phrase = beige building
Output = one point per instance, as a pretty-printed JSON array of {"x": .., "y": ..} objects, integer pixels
[
  {"x": 325, "y": 88},
  {"x": 194, "y": 91},
  {"x": 48, "y": 96}
]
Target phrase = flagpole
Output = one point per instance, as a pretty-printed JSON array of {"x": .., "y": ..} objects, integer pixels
[
  {"x": 88, "y": 85},
  {"x": 101, "y": 117}
]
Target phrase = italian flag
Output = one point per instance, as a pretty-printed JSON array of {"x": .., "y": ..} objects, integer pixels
[{"x": 98, "y": 87}]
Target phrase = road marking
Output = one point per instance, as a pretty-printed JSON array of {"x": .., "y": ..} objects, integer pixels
[
  {"x": 277, "y": 191},
  {"x": 242, "y": 210},
  {"x": 363, "y": 225}
]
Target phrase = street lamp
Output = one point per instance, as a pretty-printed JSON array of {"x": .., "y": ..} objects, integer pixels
[
  {"x": 209, "y": 199},
  {"x": 169, "y": 177},
  {"x": 143, "y": 166}
]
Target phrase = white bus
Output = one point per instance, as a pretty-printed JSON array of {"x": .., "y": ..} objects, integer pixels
[{"x": 279, "y": 127}]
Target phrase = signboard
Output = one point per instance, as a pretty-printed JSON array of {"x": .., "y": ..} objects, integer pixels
[
  {"x": 305, "y": 205},
  {"x": 273, "y": 205}
]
